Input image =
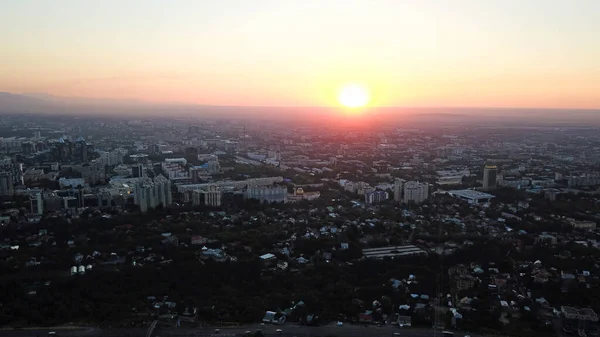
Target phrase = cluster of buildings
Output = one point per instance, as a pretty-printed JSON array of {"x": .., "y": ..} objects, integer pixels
[{"x": 149, "y": 163}]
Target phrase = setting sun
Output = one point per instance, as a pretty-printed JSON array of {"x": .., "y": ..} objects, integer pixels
[{"x": 354, "y": 96}]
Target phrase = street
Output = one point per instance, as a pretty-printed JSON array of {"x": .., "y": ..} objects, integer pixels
[
  {"x": 346, "y": 330},
  {"x": 298, "y": 330}
]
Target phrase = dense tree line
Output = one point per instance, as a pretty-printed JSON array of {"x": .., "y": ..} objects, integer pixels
[{"x": 233, "y": 292}]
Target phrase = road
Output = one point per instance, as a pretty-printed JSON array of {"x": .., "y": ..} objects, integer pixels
[
  {"x": 286, "y": 331},
  {"x": 302, "y": 331},
  {"x": 75, "y": 332}
]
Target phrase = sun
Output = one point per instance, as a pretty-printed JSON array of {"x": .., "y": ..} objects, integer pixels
[{"x": 354, "y": 96}]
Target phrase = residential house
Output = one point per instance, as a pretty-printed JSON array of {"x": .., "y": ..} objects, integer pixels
[{"x": 198, "y": 240}]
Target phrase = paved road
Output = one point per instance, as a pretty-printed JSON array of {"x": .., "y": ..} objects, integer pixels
[
  {"x": 287, "y": 331},
  {"x": 301, "y": 331},
  {"x": 83, "y": 332}
]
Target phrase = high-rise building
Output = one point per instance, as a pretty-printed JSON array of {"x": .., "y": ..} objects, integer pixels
[
  {"x": 137, "y": 171},
  {"x": 6, "y": 184},
  {"x": 398, "y": 187},
  {"x": 376, "y": 197},
  {"x": 15, "y": 170},
  {"x": 81, "y": 150},
  {"x": 154, "y": 149},
  {"x": 212, "y": 197},
  {"x": 112, "y": 158},
  {"x": 490, "y": 177},
  {"x": 37, "y": 203},
  {"x": 415, "y": 192},
  {"x": 163, "y": 191},
  {"x": 65, "y": 150},
  {"x": 149, "y": 193},
  {"x": 213, "y": 167}
]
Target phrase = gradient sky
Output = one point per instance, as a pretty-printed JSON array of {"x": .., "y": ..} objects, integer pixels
[{"x": 525, "y": 53}]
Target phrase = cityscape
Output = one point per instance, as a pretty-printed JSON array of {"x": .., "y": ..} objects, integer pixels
[
  {"x": 314, "y": 168},
  {"x": 125, "y": 222}
]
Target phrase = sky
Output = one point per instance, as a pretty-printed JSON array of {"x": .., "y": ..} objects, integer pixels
[{"x": 495, "y": 53}]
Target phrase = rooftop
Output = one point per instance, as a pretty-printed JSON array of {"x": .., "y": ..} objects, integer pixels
[
  {"x": 470, "y": 194},
  {"x": 379, "y": 253},
  {"x": 586, "y": 314}
]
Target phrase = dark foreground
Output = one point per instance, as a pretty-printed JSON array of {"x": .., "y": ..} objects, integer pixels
[{"x": 286, "y": 330}]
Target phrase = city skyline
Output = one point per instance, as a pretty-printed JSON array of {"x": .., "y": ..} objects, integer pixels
[{"x": 539, "y": 54}]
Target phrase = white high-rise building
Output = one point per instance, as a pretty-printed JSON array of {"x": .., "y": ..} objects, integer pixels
[
  {"x": 112, "y": 158},
  {"x": 150, "y": 193},
  {"x": 212, "y": 197},
  {"x": 416, "y": 192},
  {"x": 490, "y": 179},
  {"x": 398, "y": 187},
  {"x": 144, "y": 194},
  {"x": 6, "y": 184},
  {"x": 162, "y": 187}
]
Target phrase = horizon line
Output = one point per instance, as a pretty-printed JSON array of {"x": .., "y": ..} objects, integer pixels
[{"x": 49, "y": 97}]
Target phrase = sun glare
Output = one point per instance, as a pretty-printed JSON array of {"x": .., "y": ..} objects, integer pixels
[{"x": 354, "y": 96}]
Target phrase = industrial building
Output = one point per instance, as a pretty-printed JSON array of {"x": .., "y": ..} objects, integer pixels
[
  {"x": 471, "y": 196},
  {"x": 395, "y": 251}
]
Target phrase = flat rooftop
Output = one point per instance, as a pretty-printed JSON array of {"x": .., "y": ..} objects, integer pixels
[
  {"x": 471, "y": 194},
  {"x": 392, "y": 251},
  {"x": 586, "y": 314}
]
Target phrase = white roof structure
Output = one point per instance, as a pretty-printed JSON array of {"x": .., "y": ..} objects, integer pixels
[
  {"x": 267, "y": 256},
  {"x": 394, "y": 251},
  {"x": 471, "y": 196}
]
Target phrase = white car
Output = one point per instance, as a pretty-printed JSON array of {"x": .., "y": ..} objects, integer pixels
[
  {"x": 340, "y": 323},
  {"x": 279, "y": 331}
]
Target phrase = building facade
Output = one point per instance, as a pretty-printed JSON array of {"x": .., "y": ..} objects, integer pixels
[
  {"x": 490, "y": 177},
  {"x": 151, "y": 193},
  {"x": 376, "y": 197},
  {"x": 6, "y": 184},
  {"x": 415, "y": 192},
  {"x": 398, "y": 189},
  {"x": 267, "y": 193},
  {"x": 213, "y": 196}
]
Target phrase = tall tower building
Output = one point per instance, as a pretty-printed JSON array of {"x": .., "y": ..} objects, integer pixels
[
  {"x": 490, "y": 177},
  {"x": 137, "y": 171},
  {"x": 213, "y": 167},
  {"x": 36, "y": 203},
  {"x": 6, "y": 184},
  {"x": 212, "y": 197},
  {"x": 162, "y": 188},
  {"x": 415, "y": 192},
  {"x": 150, "y": 193},
  {"x": 81, "y": 149},
  {"x": 398, "y": 187},
  {"x": 144, "y": 194}
]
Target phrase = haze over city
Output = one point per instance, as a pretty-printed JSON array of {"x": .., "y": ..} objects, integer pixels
[
  {"x": 462, "y": 53},
  {"x": 285, "y": 168}
]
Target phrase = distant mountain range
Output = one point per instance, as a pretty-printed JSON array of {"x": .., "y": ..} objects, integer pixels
[{"x": 36, "y": 103}]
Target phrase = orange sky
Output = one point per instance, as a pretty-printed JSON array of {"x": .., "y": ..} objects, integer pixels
[{"x": 538, "y": 53}]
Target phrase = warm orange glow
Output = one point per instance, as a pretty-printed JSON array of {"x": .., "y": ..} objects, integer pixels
[{"x": 354, "y": 96}]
